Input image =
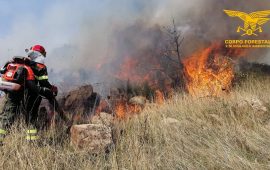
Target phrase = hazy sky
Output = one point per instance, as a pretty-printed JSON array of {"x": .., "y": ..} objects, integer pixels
[
  {"x": 77, "y": 33},
  {"x": 50, "y": 23},
  {"x": 54, "y": 23}
]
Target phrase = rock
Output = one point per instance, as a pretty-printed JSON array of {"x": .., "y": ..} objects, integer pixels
[
  {"x": 138, "y": 100},
  {"x": 170, "y": 121},
  {"x": 102, "y": 118},
  {"x": 77, "y": 100},
  {"x": 94, "y": 138},
  {"x": 96, "y": 120},
  {"x": 81, "y": 93},
  {"x": 103, "y": 106},
  {"x": 135, "y": 105},
  {"x": 252, "y": 102},
  {"x": 81, "y": 103}
]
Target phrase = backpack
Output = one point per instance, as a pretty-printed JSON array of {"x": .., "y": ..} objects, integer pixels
[{"x": 15, "y": 73}]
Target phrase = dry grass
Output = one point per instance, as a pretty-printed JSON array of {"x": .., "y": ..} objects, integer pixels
[{"x": 211, "y": 133}]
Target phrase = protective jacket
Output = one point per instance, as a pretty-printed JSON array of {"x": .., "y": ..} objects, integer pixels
[
  {"x": 41, "y": 74},
  {"x": 41, "y": 78},
  {"x": 19, "y": 71}
]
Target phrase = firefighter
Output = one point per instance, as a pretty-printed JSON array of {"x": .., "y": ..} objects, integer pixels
[
  {"x": 37, "y": 56},
  {"x": 19, "y": 73}
]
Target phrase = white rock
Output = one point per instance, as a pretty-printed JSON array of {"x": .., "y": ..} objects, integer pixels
[
  {"x": 253, "y": 102},
  {"x": 102, "y": 118},
  {"x": 91, "y": 137}
]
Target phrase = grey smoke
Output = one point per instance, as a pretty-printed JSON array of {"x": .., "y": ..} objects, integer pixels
[{"x": 78, "y": 39}]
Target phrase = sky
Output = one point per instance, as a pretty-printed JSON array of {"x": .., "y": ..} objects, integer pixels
[
  {"x": 60, "y": 23},
  {"x": 54, "y": 23},
  {"x": 79, "y": 33},
  {"x": 70, "y": 30},
  {"x": 50, "y": 23}
]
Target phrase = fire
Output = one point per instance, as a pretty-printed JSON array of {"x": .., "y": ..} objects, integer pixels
[
  {"x": 124, "y": 109},
  {"x": 159, "y": 97},
  {"x": 120, "y": 110},
  {"x": 210, "y": 72},
  {"x": 141, "y": 72},
  {"x": 130, "y": 70}
]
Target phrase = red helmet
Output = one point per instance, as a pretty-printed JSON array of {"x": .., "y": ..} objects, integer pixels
[{"x": 39, "y": 48}]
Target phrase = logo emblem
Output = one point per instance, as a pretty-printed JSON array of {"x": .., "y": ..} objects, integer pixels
[{"x": 252, "y": 21}]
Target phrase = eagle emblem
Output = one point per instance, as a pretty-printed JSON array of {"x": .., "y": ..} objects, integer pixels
[{"x": 252, "y": 21}]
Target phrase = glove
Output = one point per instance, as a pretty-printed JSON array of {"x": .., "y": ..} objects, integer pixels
[
  {"x": 46, "y": 93},
  {"x": 54, "y": 90}
]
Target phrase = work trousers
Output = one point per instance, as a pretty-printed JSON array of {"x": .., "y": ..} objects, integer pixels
[{"x": 17, "y": 104}]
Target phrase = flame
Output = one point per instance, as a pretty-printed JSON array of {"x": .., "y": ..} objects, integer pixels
[
  {"x": 128, "y": 71},
  {"x": 137, "y": 71},
  {"x": 124, "y": 109},
  {"x": 120, "y": 110},
  {"x": 210, "y": 72},
  {"x": 159, "y": 97}
]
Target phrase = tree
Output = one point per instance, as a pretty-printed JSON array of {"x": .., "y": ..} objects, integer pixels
[{"x": 172, "y": 51}]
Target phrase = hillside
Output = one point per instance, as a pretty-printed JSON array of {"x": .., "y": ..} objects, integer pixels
[{"x": 227, "y": 132}]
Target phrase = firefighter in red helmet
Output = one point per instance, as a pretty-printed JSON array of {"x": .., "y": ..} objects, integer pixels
[
  {"x": 19, "y": 73},
  {"x": 37, "y": 56},
  {"x": 40, "y": 49}
]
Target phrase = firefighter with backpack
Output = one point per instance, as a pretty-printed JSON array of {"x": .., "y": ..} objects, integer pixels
[{"x": 17, "y": 79}]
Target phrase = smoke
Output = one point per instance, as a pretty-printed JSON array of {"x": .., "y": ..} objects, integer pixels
[{"x": 87, "y": 41}]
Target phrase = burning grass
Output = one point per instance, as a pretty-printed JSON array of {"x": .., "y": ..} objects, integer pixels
[
  {"x": 207, "y": 72},
  {"x": 210, "y": 71},
  {"x": 206, "y": 133}
]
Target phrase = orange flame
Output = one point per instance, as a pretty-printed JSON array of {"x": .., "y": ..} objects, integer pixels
[
  {"x": 159, "y": 97},
  {"x": 127, "y": 71},
  {"x": 136, "y": 71},
  {"x": 120, "y": 110},
  {"x": 124, "y": 109},
  {"x": 210, "y": 72}
]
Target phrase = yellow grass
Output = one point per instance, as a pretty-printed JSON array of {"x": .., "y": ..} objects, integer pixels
[{"x": 211, "y": 133}]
